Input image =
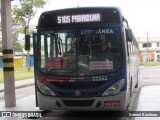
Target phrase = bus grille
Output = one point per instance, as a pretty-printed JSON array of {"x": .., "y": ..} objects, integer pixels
[
  {"x": 79, "y": 85},
  {"x": 83, "y": 94},
  {"x": 87, "y": 89}
]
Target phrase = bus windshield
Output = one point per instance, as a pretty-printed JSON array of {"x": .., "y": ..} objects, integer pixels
[{"x": 80, "y": 52}]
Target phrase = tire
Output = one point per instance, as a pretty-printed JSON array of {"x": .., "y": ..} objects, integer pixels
[{"x": 136, "y": 84}]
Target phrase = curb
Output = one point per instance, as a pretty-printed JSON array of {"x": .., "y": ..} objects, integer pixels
[{"x": 20, "y": 86}]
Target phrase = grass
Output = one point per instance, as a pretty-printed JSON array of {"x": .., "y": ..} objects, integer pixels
[
  {"x": 19, "y": 74},
  {"x": 150, "y": 63}
]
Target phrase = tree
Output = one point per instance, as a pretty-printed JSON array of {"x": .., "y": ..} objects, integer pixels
[
  {"x": 0, "y": 46},
  {"x": 23, "y": 13},
  {"x": 0, "y": 40}
]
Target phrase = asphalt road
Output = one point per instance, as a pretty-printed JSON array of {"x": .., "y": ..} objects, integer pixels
[{"x": 149, "y": 76}]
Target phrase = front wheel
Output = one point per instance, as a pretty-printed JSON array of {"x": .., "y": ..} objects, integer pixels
[{"x": 136, "y": 85}]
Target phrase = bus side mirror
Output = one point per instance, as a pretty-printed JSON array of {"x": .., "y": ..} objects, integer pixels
[
  {"x": 130, "y": 36},
  {"x": 27, "y": 42}
]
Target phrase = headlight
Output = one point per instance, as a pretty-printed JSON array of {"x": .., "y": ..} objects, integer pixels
[
  {"x": 115, "y": 88},
  {"x": 44, "y": 89}
]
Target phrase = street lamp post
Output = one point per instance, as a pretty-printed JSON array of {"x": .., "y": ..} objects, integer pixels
[{"x": 27, "y": 44}]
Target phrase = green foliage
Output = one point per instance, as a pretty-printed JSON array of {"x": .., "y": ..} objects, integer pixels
[
  {"x": 0, "y": 46},
  {"x": 24, "y": 11},
  {"x": 39, "y": 3},
  {"x": 19, "y": 74},
  {"x": 18, "y": 47},
  {"x": 149, "y": 63}
]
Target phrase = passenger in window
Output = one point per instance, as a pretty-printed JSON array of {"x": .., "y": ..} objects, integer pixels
[
  {"x": 84, "y": 47},
  {"x": 107, "y": 47}
]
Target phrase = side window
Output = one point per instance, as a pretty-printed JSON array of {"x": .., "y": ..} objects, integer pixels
[
  {"x": 147, "y": 45},
  {"x": 70, "y": 46},
  {"x": 43, "y": 53},
  {"x": 126, "y": 43}
]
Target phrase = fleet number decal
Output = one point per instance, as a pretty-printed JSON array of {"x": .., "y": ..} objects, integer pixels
[{"x": 99, "y": 78}]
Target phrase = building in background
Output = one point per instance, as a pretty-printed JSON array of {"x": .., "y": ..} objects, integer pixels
[{"x": 149, "y": 48}]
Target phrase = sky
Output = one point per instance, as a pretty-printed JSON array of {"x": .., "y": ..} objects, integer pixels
[{"x": 142, "y": 15}]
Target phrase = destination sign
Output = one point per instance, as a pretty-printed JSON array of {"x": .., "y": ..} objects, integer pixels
[{"x": 80, "y": 18}]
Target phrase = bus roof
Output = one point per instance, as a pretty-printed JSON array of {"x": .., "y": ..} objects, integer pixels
[{"x": 80, "y": 16}]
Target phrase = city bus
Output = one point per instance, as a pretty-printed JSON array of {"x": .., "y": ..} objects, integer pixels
[{"x": 86, "y": 59}]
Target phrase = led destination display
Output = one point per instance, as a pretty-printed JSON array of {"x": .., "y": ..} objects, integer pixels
[
  {"x": 78, "y": 17},
  {"x": 81, "y": 18}
]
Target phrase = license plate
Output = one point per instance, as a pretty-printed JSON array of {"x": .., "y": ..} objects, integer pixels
[{"x": 111, "y": 103}]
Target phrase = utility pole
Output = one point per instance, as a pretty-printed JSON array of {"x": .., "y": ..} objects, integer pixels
[
  {"x": 8, "y": 56},
  {"x": 148, "y": 47},
  {"x": 147, "y": 41},
  {"x": 27, "y": 47}
]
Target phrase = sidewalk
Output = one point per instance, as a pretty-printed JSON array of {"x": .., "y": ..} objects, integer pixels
[
  {"x": 148, "y": 99},
  {"x": 19, "y": 84},
  {"x": 25, "y": 103}
]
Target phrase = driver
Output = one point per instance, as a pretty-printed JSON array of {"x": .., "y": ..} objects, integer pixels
[{"x": 107, "y": 47}]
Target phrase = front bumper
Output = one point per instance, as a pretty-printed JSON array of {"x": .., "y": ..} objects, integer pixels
[{"x": 84, "y": 104}]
